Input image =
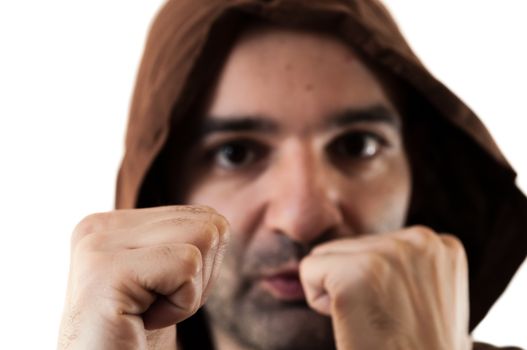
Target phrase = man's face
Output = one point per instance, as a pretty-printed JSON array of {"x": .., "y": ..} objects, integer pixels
[{"x": 300, "y": 145}]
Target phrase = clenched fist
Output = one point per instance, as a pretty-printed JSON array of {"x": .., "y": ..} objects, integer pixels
[
  {"x": 402, "y": 290},
  {"x": 138, "y": 270}
]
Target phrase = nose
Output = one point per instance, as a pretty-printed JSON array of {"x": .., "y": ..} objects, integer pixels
[{"x": 303, "y": 203}]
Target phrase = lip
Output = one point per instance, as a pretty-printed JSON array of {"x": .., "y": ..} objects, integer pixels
[{"x": 284, "y": 284}]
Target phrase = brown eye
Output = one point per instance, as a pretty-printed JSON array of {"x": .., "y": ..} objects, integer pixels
[
  {"x": 237, "y": 154},
  {"x": 357, "y": 145}
]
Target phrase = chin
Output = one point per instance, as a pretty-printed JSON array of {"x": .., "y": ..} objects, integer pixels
[{"x": 260, "y": 321}]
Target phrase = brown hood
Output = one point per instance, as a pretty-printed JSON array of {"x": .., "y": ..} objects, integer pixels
[{"x": 468, "y": 188}]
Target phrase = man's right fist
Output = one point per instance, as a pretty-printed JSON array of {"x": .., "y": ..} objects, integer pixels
[{"x": 139, "y": 269}]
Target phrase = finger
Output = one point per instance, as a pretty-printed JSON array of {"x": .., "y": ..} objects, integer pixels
[
  {"x": 217, "y": 261},
  {"x": 394, "y": 250},
  {"x": 454, "y": 245},
  {"x": 396, "y": 243},
  {"x": 349, "y": 245},
  {"x": 457, "y": 258},
  {"x": 172, "y": 271},
  {"x": 317, "y": 275},
  {"x": 128, "y": 218},
  {"x": 164, "y": 312},
  {"x": 200, "y": 232},
  {"x": 205, "y": 235},
  {"x": 203, "y": 232},
  {"x": 328, "y": 279},
  {"x": 312, "y": 276}
]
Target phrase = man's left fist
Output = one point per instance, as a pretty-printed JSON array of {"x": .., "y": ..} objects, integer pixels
[{"x": 401, "y": 290}]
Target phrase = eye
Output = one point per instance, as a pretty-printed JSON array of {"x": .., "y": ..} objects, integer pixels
[
  {"x": 237, "y": 154},
  {"x": 357, "y": 145}
]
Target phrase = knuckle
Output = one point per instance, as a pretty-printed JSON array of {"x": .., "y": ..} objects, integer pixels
[
  {"x": 195, "y": 209},
  {"x": 222, "y": 222},
  {"x": 372, "y": 264},
  {"x": 454, "y": 245},
  {"x": 90, "y": 242},
  {"x": 399, "y": 250},
  {"x": 422, "y": 231},
  {"x": 210, "y": 236},
  {"x": 208, "y": 214},
  {"x": 191, "y": 258},
  {"x": 452, "y": 241},
  {"x": 203, "y": 208},
  {"x": 422, "y": 237},
  {"x": 90, "y": 224},
  {"x": 177, "y": 221}
]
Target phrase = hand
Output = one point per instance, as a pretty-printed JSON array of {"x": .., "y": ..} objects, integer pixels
[
  {"x": 138, "y": 270},
  {"x": 402, "y": 290}
]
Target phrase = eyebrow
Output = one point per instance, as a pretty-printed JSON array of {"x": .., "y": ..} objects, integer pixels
[
  {"x": 374, "y": 114},
  {"x": 238, "y": 123}
]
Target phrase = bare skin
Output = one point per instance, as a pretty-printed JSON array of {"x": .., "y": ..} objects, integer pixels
[
  {"x": 389, "y": 292},
  {"x": 316, "y": 188},
  {"x": 296, "y": 183},
  {"x": 134, "y": 273}
]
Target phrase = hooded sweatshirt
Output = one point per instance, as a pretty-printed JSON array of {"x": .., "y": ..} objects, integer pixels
[{"x": 467, "y": 187}]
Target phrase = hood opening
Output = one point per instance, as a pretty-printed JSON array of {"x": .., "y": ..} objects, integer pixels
[{"x": 461, "y": 182}]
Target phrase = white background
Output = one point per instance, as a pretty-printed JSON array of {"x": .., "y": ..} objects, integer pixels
[{"x": 66, "y": 75}]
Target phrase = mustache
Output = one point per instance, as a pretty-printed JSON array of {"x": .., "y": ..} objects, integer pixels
[{"x": 283, "y": 251}]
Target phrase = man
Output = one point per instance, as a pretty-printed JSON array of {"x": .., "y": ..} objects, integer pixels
[{"x": 355, "y": 188}]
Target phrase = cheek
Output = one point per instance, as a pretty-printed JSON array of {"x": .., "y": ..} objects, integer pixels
[{"x": 380, "y": 203}]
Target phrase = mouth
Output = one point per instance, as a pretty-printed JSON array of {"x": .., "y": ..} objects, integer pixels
[{"x": 284, "y": 285}]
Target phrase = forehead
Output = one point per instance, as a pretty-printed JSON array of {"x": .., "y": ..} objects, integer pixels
[{"x": 293, "y": 75}]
